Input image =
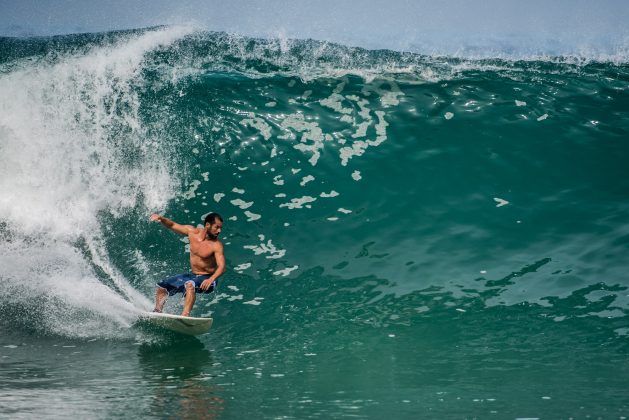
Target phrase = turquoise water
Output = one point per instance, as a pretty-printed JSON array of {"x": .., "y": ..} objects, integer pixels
[{"x": 406, "y": 235}]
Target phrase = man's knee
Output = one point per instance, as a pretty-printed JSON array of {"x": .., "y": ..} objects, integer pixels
[{"x": 190, "y": 287}]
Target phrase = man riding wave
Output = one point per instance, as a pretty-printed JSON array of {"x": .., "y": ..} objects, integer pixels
[{"x": 207, "y": 262}]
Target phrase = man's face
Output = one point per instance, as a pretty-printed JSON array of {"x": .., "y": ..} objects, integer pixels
[{"x": 215, "y": 228}]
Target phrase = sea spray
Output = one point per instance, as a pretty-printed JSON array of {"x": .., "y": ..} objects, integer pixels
[{"x": 74, "y": 146}]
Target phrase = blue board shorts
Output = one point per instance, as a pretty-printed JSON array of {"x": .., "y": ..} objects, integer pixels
[{"x": 177, "y": 284}]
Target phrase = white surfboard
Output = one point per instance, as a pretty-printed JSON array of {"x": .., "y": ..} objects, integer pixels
[{"x": 181, "y": 324}]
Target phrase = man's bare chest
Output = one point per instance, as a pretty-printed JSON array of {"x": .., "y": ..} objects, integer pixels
[{"x": 203, "y": 249}]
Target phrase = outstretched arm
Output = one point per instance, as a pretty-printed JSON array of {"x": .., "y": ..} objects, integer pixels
[{"x": 175, "y": 227}]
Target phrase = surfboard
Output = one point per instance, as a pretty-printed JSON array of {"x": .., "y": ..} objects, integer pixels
[{"x": 182, "y": 324}]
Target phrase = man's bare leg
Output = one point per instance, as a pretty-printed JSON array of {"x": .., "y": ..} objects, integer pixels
[
  {"x": 189, "y": 300},
  {"x": 160, "y": 299}
]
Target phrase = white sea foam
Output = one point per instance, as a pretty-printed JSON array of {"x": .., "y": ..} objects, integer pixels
[
  {"x": 239, "y": 268},
  {"x": 359, "y": 147},
  {"x": 67, "y": 128},
  {"x": 306, "y": 179},
  {"x": 266, "y": 248},
  {"x": 334, "y": 102},
  {"x": 312, "y": 137},
  {"x": 389, "y": 97},
  {"x": 241, "y": 203},
  {"x": 252, "y": 216},
  {"x": 329, "y": 195},
  {"x": 298, "y": 203},
  {"x": 191, "y": 193},
  {"x": 258, "y": 123},
  {"x": 286, "y": 271},
  {"x": 364, "y": 113},
  {"x": 57, "y": 113}
]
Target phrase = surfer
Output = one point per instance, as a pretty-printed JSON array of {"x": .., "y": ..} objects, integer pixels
[{"x": 207, "y": 262}]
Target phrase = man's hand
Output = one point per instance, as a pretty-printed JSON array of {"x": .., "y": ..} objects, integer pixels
[
  {"x": 155, "y": 218},
  {"x": 205, "y": 285}
]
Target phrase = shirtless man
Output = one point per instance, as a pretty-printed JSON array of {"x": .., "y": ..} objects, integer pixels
[{"x": 207, "y": 262}]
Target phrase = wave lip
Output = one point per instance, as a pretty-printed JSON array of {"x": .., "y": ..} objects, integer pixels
[{"x": 491, "y": 29}]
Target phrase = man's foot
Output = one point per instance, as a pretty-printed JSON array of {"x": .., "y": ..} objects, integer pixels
[
  {"x": 185, "y": 314},
  {"x": 159, "y": 311}
]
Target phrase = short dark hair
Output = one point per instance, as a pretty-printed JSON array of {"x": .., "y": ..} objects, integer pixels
[{"x": 211, "y": 218}]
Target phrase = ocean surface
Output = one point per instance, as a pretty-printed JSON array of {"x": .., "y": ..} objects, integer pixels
[{"x": 407, "y": 236}]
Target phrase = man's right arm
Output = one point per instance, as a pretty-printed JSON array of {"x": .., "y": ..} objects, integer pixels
[{"x": 175, "y": 227}]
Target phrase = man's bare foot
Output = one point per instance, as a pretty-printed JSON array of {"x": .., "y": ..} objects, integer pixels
[
  {"x": 185, "y": 314},
  {"x": 159, "y": 311}
]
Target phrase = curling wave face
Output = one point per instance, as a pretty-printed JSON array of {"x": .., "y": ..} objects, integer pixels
[{"x": 429, "y": 172}]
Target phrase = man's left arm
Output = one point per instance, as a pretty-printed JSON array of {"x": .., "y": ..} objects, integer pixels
[{"x": 220, "y": 267}]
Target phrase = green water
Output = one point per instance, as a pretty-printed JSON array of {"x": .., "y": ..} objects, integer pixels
[{"x": 406, "y": 236}]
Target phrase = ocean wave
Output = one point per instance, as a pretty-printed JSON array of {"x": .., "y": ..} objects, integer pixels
[{"x": 420, "y": 172}]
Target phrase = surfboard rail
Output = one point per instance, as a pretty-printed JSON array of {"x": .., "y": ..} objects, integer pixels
[{"x": 182, "y": 324}]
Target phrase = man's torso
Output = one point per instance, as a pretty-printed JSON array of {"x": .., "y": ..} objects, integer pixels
[{"x": 202, "y": 259}]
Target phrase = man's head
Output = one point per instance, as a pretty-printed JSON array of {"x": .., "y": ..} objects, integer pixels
[{"x": 214, "y": 224}]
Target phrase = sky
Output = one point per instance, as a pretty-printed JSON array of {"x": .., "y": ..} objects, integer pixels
[{"x": 541, "y": 25}]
